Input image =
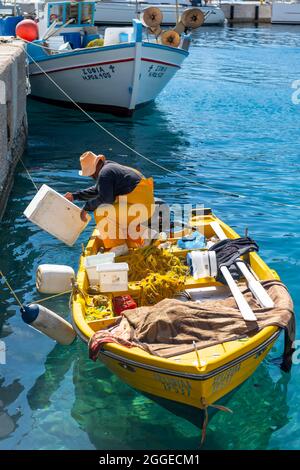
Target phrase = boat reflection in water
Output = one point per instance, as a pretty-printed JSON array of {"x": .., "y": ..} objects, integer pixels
[{"x": 115, "y": 416}]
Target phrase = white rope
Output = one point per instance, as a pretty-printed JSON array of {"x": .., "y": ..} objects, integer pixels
[
  {"x": 30, "y": 177},
  {"x": 197, "y": 183},
  {"x": 128, "y": 146}
]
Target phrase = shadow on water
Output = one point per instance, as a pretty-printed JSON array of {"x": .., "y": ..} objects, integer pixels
[
  {"x": 114, "y": 416},
  {"x": 148, "y": 132}
]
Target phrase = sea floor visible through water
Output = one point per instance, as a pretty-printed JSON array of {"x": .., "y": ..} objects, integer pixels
[{"x": 227, "y": 119}]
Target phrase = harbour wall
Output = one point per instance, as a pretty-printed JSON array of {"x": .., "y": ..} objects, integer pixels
[
  {"x": 13, "y": 118},
  {"x": 247, "y": 12}
]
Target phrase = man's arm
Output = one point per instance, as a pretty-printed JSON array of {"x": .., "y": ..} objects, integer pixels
[
  {"x": 85, "y": 194},
  {"x": 104, "y": 193}
]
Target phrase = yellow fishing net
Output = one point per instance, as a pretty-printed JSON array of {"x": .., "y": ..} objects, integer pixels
[{"x": 160, "y": 274}]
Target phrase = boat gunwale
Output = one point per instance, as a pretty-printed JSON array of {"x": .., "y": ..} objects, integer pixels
[
  {"x": 187, "y": 375},
  {"x": 89, "y": 50}
]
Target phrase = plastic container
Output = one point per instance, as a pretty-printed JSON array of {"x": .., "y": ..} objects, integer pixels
[
  {"x": 56, "y": 215},
  {"x": 55, "y": 42},
  {"x": 91, "y": 263},
  {"x": 113, "y": 277},
  {"x": 73, "y": 38},
  {"x": 123, "y": 37},
  {"x": 123, "y": 302},
  {"x": 202, "y": 264},
  {"x": 192, "y": 241},
  {"x": 8, "y": 25},
  {"x": 54, "y": 278}
]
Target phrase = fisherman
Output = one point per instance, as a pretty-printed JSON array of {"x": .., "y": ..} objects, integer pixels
[{"x": 116, "y": 185}]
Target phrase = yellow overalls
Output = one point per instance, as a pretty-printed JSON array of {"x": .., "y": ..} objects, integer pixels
[{"x": 119, "y": 223}]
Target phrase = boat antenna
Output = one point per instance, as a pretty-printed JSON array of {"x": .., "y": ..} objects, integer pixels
[{"x": 177, "y": 11}]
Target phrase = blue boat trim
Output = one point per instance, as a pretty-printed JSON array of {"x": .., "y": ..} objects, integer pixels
[
  {"x": 64, "y": 5},
  {"x": 167, "y": 48},
  {"x": 87, "y": 50},
  {"x": 137, "y": 30},
  {"x": 105, "y": 48}
]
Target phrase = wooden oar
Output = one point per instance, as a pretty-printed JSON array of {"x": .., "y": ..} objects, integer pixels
[
  {"x": 241, "y": 302},
  {"x": 54, "y": 33},
  {"x": 255, "y": 286}
]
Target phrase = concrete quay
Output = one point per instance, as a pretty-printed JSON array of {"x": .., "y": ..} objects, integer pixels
[{"x": 13, "y": 117}]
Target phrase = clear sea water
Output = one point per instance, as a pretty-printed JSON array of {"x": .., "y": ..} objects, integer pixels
[{"x": 226, "y": 119}]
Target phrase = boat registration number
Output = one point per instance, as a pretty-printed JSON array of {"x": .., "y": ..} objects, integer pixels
[
  {"x": 157, "y": 71},
  {"x": 224, "y": 378},
  {"x": 170, "y": 384},
  {"x": 98, "y": 73}
]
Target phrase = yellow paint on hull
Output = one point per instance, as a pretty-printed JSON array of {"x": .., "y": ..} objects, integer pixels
[{"x": 182, "y": 379}]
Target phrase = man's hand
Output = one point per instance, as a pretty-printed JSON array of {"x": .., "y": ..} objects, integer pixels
[
  {"x": 83, "y": 215},
  {"x": 69, "y": 196}
]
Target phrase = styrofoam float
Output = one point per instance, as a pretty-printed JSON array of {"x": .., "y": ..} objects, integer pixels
[{"x": 56, "y": 215}]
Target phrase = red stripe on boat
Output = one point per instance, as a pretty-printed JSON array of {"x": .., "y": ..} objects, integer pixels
[{"x": 104, "y": 63}]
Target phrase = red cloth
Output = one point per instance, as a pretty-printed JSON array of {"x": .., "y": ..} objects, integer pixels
[{"x": 119, "y": 334}]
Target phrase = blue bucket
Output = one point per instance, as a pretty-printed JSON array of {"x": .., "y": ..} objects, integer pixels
[
  {"x": 8, "y": 25},
  {"x": 73, "y": 38}
]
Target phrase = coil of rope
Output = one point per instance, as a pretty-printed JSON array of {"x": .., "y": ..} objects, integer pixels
[{"x": 160, "y": 274}]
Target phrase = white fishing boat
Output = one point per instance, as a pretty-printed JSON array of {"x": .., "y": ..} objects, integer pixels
[
  {"x": 123, "y": 11},
  {"x": 125, "y": 70},
  {"x": 285, "y": 13}
]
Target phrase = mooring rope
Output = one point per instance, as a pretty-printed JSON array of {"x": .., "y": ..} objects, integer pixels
[
  {"x": 53, "y": 296},
  {"x": 11, "y": 289},
  {"x": 197, "y": 183},
  {"x": 36, "y": 301},
  {"x": 139, "y": 154},
  {"x": 29, "y": 175}
]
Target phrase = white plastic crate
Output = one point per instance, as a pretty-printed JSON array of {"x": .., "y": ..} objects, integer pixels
[
  {"x": 113, "y": 277},
  {"x": 91, "y": 263},
  {"x": 56, "y": 215}
]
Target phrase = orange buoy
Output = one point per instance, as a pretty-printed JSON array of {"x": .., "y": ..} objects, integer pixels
[{"x": 27, "y": 30}]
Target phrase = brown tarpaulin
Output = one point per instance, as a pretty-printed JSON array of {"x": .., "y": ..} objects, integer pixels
[{"x": 170, "y": 327}]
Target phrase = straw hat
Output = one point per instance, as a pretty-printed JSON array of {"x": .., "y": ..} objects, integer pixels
[{"x": 88, "y": 163}]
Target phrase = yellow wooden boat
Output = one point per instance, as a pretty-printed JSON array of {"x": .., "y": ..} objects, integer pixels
[{"x": 197, "y": 382}]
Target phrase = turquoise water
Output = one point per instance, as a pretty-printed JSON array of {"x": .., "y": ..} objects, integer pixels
[{"x": 228, "y": 120}]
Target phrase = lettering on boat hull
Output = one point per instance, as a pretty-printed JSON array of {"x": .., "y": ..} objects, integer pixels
[{"x": 175, "y": 385}]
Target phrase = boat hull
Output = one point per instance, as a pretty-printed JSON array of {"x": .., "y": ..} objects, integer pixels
[
  {"x": 196, "y": 391},
  {"x": 104, "y": 78},
  {"x": 285, "y": 13},
  {"x": 121, "y": 13}
]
